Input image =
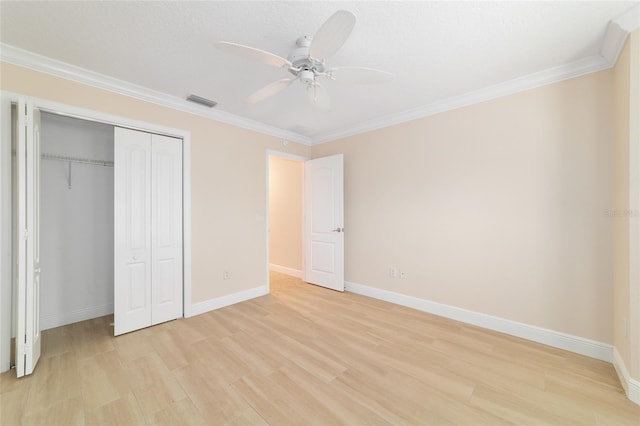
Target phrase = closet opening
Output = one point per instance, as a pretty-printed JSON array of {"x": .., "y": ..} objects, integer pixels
[
  {"x": 69, "y": 176},
  {"x": 76, "y": 220}
]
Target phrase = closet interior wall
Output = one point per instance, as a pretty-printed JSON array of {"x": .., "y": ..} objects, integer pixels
[{"x": 77, "y": 227}]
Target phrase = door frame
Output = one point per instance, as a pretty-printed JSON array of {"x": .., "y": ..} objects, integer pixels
[
  {"x": 6, "y": 271},
  {"x": 289, "y": 156}
]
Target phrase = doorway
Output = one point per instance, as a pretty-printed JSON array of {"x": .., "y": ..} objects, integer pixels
[
  {"x": 285, "y": 207},
  {"x": 305, "y": 199}
]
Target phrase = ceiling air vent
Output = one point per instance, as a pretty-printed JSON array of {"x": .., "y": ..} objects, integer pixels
[{"x": 202, "y": 101}]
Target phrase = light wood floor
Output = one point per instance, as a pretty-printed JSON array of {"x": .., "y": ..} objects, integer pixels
[{"x": 304, "y": 355}]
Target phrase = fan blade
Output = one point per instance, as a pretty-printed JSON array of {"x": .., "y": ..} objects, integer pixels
[
  {"x": 332, "y": 35},
  {"x": 359, "y": 75},
  {"x": 253, "y": 54},
  {"x": 270, "y": 90},
  {"x": 318, "y": 96}
]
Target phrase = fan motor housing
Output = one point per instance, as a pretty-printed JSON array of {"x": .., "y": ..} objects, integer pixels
[{"x": 299, "y": 57}]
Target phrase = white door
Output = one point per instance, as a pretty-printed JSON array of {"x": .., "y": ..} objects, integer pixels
[
  {"x": 132, "y": 230},
  {"x": 148, "y": 229},
  {"x": 166, "y": 235},
  {"x": 28, "y": 287},
  {"x": 324, "y": 222}
]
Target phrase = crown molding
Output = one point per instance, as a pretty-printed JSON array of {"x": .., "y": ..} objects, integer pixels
[
  {"x": 531, "y": 81},
  {"x": 630, "y": 20},
  {"x": 617, "y": 32},
  {"x": 26, "y": 59},
  {"x": 615, "y": 37},
  {"x": 613, "y": 42}
]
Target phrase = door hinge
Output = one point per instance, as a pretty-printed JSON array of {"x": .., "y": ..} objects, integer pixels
[
  {"x": 25, "y": 234},
  {"x": 24, "y": 117},
  {"x": 22, "y": 350}
]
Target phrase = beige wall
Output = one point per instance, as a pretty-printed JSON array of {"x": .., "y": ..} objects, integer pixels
[
  {"x": 228, "y": 178},
  {"x": 627, "y": 200},
  {"x": 285, "y": 212},
  {"x": 498, "y": 207},
  {"x": 621, "y": 204},
  {"x": 634, "y": 136}
]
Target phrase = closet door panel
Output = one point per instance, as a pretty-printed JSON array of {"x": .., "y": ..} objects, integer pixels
[
  {"x": 137, "y": 287},
  {"x": 27, "y": 297},
  {"x": 132, "y": 216},
  {"x": 166, "y": 217}
]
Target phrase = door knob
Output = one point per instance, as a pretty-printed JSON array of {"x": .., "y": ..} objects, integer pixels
[{"x": 338, "y": 229}]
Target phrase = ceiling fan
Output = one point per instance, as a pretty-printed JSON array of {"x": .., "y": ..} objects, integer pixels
[{"x": 306, "y": 62}]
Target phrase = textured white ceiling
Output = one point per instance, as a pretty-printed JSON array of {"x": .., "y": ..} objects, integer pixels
[{"x": 437, "y": 50}]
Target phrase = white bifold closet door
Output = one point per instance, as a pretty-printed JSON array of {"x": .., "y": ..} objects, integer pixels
[
  {"x": 148, "y": 229},
  {"x": 27, "y": 211}
]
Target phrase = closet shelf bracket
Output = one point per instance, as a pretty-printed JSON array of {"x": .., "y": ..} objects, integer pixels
[{"x": 76, "y": 160}]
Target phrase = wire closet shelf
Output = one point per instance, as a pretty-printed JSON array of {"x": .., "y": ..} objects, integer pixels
[{"x": 77, "y": 160}]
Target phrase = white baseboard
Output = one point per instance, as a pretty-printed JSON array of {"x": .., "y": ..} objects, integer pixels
[
  {"x": 57, "y": 320},
  {"x": 631, "y": 386},
  {"x": 590, "y": 348},
  {"x": 221, "y": 302},
  {"x": 285, "y": 270}
]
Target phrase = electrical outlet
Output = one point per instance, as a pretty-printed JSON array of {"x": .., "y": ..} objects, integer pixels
[
  {"x": 402, "y": 275},
  {"x": 393, "y": 272},
  {"x": 226, "y": 275}
]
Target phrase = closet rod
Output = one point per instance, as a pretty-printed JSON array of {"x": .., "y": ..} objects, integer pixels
[{"x": 77, "y": 160}]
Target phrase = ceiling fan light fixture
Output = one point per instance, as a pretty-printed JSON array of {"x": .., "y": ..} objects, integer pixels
[
  {"x": 307, "y": 76},
  {"x": 318, "y": 96}
]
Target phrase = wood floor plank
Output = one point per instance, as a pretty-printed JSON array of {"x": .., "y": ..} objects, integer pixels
[
  {"x": 307, "y": 355},
  {"x": 91, "y": 337},
  {"x": 134, "y": 345},
  {"x": 103, "y": 379},
  {"x": 56, "y": 381},
  {"x": 123, "y": 411},
  {"x": 397, "y": 405},
  {"x": 305, "y": 401},
  {"x": 57, "y": 341},
  {"x": 270, "y": 400},
  {"x": 12, "y": 405},
  {"x": 324, "y": 367},
  {"x": 347, "y": 409},
  {"x": 170, "y": 350},
  {"x": 181, "y": 412},
  {"x": 218, "y": 401},
  {"x": 513, "y": 408},
  {"x": 68, "y": 412}
]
